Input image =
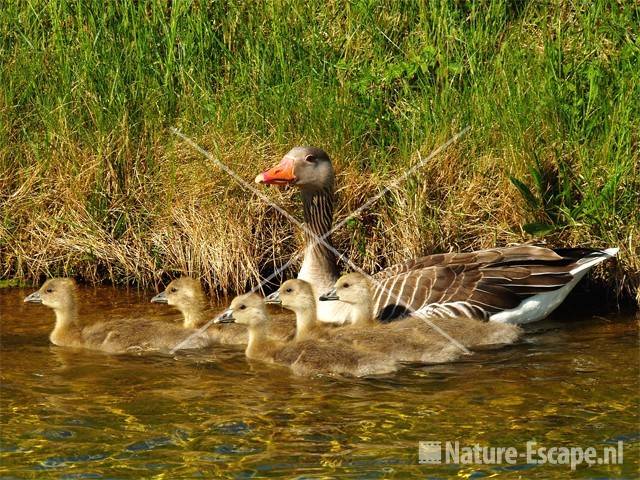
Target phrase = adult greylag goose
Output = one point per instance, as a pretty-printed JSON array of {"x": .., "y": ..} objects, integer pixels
[
  {"x": 111, "y": 336},
  {"x": 187, "y": 296},
  {"x": 518, "y": 284},
  {"x": 435, "y": 331},
  {"x": 307, "y": 357}
]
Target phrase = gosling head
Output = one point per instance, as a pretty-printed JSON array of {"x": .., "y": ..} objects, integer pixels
[
  {"x": 294, "y": 294},
  {"x": 350, "y": 288},
  {"x": 306, "y": 167},
  {"x": 56, "y": 293},
  {"x": 247, "y": 309},
  {"x": 183, "y": 293}
]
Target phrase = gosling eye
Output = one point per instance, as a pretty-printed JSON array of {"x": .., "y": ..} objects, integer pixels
[
  {"x": 289, "y": 290},
  {"x": 346, "y": 285},
  {"x": 310, "y": 158},
  {"x": 49, "y": 290},
  {"x": 174, "y": 290},
  {"x": 242, "y": 307}
]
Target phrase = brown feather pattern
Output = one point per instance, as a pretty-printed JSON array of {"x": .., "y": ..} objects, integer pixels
[{"x": 476, "y": 284}]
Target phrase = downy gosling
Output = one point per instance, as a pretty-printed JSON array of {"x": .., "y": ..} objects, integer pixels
[
  {"x": 354, "y": 289},
  {"x": 297, "y": 295},
  {"x": 307, "y": 357},
  {"x": 111, "y": 336},
  {"x": 187, "y": 296}
]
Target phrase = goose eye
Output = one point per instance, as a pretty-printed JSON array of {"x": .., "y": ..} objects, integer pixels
[
  {"x": 49, "y": 290},
  {"x": 310, "y": 158},
  {"x": 174, "y": 289},
  {"x": 289, "y": 290},
  {"x": 242, "y": 307}
]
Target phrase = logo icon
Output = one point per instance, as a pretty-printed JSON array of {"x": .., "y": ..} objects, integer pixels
[{"x": 430, "y": 452}]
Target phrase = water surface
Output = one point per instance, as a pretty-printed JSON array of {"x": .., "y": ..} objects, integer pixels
[{"x": 82, "y": 414}]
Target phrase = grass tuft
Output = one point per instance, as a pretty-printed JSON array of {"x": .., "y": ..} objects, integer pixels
[{"x": 93, "y": 184}]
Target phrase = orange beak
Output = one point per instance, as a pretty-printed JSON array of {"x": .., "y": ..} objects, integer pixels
[{"x": 282, "y": 174}]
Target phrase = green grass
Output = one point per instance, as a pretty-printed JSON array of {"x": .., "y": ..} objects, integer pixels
[{"x": 94, "y": 184}]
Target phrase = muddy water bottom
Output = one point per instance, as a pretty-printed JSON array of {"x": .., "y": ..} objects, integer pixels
[{"x": 82, "y": 414}]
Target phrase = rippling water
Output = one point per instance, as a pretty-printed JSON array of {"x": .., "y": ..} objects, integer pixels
[{"x": 80, "y": 414}]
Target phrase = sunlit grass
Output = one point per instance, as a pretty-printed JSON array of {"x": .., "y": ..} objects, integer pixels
[{"x": 94, "y": 184}]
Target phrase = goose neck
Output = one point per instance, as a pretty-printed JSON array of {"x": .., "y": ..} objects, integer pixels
[
  {"x": 306, "y": 322},
  {"x": 362, "y": 315},
  {"x": 67, "y": 324},
  {"x": 193, "y": 317},
  {"x": 319, "y": 266},
  {"x": 257, "y": 338}
]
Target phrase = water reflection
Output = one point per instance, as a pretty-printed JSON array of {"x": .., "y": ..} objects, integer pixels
[{"x": 86, "y": 414}]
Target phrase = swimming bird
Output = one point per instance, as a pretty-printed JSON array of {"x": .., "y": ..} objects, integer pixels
[
  {"x": 307, "y": 357},
  {"x": 186, "y": 295},
  {"x": 435, "y": 331},
  {"x": 112, "y": 336},
  {"x": 298, "y": 296},
  {"x": 517, "y": 284},
  {"x": 363, "y": 332}
]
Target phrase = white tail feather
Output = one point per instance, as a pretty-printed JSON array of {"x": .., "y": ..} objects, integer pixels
[{"x": 588, "y": 262}]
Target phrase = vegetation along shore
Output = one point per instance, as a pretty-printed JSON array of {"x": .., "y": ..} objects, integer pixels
[{"x": 93, "y": 184}]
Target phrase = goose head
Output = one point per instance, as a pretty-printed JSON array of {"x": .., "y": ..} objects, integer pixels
[
  {"x": 183, "y": 293},
  {"x": 296, "y": 295},
  {"x": 56, "y": 293},
  {"x": 247, "y": 309},
  {"x": 350, "y": 288},
  {"x": 308, "y": 168}
]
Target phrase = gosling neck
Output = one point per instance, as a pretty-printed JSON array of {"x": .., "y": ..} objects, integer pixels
[
  {"x": 319, "y": 266},
  {"x": 194, "y": 317},
  {"x": 257, "y": 337},
  {"x": 306, "y": 321},
  {"x": 361, "y": 315},
  {"x": 68, "y": 327}
]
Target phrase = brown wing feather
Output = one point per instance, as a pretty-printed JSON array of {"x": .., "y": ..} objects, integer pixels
[
  {"x": 498, "y": 279},
  {"x": 518, "y": 254}
]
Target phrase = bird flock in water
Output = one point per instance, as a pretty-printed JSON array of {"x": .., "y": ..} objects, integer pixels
[{"x": 427, "y": 310}]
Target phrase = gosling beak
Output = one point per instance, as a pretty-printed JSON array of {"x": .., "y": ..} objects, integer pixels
[
  {"x": 281, "y": 174},
  {"x": 226, "y": 317},
  {"x": 33, "y": 298},
  {"x": 160, "y": 298},
  {"x": 273, "y": 299},
  {"x": 329, "y": 296}
]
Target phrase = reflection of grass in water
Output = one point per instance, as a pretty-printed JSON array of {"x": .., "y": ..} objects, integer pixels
[{"x": 96, "y": 187}]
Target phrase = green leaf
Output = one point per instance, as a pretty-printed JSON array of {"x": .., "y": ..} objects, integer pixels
[
  {"x": 538, "y": 229},
  {"x": 526, "y": 193}
]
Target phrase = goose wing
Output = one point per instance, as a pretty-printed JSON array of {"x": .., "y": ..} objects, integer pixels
[
  {"x": 476, "y": 290},
  {"x": 507, "y": 255}
]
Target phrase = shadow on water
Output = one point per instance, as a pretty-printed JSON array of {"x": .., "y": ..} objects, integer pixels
[{"x": 82, "y": 414}]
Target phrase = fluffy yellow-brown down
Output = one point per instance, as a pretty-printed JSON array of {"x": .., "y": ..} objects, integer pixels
[
  {"x": 427, "y": 339},
  {"x": 112, "y": 336},
  {"x": 187, "y": 296},
  {"x": 306, "y": 357}
]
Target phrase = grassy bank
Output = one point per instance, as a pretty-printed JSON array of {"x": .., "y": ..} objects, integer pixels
[{"x": 93, "y": 184}]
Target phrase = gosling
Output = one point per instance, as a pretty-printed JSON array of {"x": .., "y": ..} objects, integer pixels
[
  {"x": 354, "y": 289},
  {"x": 187, "y": 296},
  {"x": 297, "y": 295},
  {"x": 111, "y": 336},
  {"x": 306, "y": 357}
]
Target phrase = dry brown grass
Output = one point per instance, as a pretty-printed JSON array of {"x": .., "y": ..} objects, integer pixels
[{"x": 184, "y": 216}]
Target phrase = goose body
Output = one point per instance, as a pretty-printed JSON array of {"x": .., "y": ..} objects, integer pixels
[
  {"x": 305, "y": 357},
  {"x": 111, "y": 336},
  {"x": 186, "y": 295},
  {"x": 519, "y": 284}
]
